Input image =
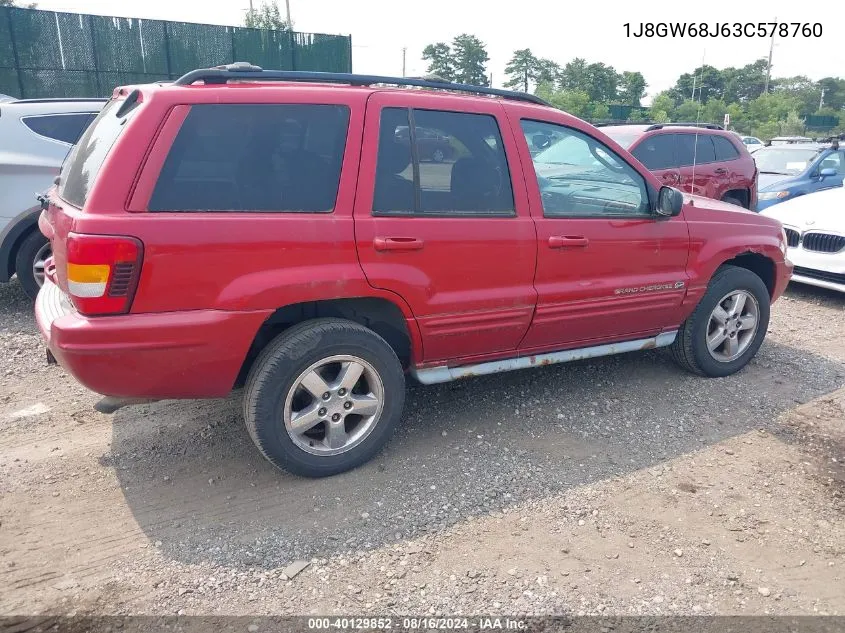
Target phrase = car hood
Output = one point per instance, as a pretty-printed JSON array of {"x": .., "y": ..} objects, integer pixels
[
  {"x": 768, "y": 182},
  {"x": 823, "y": 209}
]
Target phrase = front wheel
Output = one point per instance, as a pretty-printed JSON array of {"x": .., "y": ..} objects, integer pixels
[
  {"x": 727, "y": 327},
  {"x": 324, "y": 397}
]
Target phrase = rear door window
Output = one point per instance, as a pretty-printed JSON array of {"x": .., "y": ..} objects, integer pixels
[
  {"x": 66, "y": 128},
  {"x": 254, "y": 157},
  {"x": 657, "y": 152},
  {"x": 704, "y": 151}
]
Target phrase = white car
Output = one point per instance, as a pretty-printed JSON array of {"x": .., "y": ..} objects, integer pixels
[
  {"x": 752, "y": 143},
  {"x": 815, "y": 232},
  {"x": 35, "y": 137}
]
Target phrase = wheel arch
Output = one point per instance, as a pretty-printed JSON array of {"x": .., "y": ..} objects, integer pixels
[
  {"x": 13, "y": 235},
  {"x": 757, "y": 263},
  {"x": 379, "y": 314}
]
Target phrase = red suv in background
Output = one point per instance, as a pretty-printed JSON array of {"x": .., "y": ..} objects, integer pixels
[
  {"x": 278, "y": 232},
  {"x": 703, "y": 159}
]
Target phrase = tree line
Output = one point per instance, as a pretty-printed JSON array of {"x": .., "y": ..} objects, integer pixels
[{"x": 757, "y": 105}]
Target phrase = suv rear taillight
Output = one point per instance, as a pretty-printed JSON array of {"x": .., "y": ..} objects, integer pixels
[{"x": 102, "y": 272}]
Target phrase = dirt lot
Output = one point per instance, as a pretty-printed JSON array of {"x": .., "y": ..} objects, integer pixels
[{"x": 618, "y": 486}]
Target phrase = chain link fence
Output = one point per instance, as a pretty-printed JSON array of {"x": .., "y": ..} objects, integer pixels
[{"x": 50, "y": 54}]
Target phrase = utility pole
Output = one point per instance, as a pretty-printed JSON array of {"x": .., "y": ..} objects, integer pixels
[
  {"x": 403, "y": 60},
  {"x": 287, "y": 8},
  {"x": 769, "y": 66},
  {"x": 821, "y": 101},
  {"x": 250, "y": 7}
]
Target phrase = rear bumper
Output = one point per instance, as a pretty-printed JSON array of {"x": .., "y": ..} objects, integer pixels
[{"x": 192, "y": 354}]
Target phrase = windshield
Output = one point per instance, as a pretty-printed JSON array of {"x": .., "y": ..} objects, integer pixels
[{"x": 783, "y": 161}]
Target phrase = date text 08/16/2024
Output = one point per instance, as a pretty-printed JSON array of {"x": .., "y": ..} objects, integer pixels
[
  {"x": 422, "y": 623},
  {"x": 723, "y": 29}
]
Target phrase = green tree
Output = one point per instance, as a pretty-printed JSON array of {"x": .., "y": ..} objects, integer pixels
[
  {"x": 793, "y": 125},
  {"x": 632, "y": 87},
  {"x": 574, "y": 75},
  {"x": 522, "y": 69},
  {"x": 470, "y": 60},
  {"x": 266, "y": 16},
  {"x": 834, "y": 92},
  {"x": 602, "y": 82},
  {"x": 687, "y": 112},
  {"x": 663, "y": 102},
  {"x": 547, "y": 71},
  {"x": 600, "y": 111},
  {"x": 440, "y": 60},
  {"x": 660, "y": 116},
  {"x": 575, "y": 102},
  {"x": 744, "y": 84},
  {"x": 705, "y": 82}
]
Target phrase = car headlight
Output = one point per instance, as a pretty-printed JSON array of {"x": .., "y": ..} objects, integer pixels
[{"x": 773, "y": 195}]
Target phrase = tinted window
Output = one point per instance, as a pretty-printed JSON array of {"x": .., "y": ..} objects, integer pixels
[
  {"x": 394, "y": 172},
  {"x": 725, "y": 150},
  {"x": 685, "y": 146},
  {"x": 84, "y": 161},
  {"x": 579, "y": 176},
  {"x": 457, "y": 166},
  {"x": 66, "y": 128},
  {"x": 656, "y": 152},
  {"x": 704, "y": 151},
  {"x": 229, "y": 157}
]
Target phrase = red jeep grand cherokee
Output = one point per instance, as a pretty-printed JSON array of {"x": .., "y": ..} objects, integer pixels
[
  {"x": 701, "y": 159},
  {"x": 278, "y": 231}
]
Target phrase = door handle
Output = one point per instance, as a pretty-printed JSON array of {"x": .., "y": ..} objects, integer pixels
[
  {"x": 397, "y": 244},
  {"x": 568, "y": 241},
  {"x": 721, "y": 171},
  {"x": 671, "y": 178}
]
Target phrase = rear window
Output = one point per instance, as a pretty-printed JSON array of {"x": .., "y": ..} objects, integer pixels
[
  {"x": 66, "y": 128},
  {"x": 84, "y": 161},
  {"x": 250, "y": 157}
]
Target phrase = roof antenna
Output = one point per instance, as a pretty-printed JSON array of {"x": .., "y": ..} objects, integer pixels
[{"x": 697, "y": 121}]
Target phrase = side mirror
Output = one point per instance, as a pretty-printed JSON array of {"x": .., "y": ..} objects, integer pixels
[
  {"x": 670, "y": 201},
  {"x": 827, "y": 171}
]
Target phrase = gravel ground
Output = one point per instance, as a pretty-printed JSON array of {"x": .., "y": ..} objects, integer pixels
[{"x": 617, "y": 486}]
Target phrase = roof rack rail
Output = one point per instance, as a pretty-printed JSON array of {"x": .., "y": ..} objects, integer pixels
[
  {"x": 621, "y": 123},
  {"x": 62, "y": 100},
  {"x": 709, "y": 126},
  {"x": 243, "y": 70}
]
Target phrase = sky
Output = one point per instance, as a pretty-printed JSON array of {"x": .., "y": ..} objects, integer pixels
[{"x": 556, "y": 29}]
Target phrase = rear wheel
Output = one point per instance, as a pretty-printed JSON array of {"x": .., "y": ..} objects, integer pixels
[
  {"x": 324, "y": 397},
  {"x": 29, "y": 262},
  {"x": 727, "y": 327}
]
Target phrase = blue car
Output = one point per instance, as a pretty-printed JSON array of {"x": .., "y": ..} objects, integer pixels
[{"x": 788, "y": 171}]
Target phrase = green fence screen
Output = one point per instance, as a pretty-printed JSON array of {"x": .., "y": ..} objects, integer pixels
[{"x": 50, "y": 54}]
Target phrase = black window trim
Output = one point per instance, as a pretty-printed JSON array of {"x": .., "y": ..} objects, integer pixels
[
  {"x": 651, "y": 192},
  {"x": 24, "y": 119},
  {"x": 412, "y": 136}
]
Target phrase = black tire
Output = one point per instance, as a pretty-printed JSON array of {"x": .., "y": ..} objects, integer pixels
[
  {"x": 25, "y": 259},
  {"x": 281, "y": 363},
  {"x": 733, "y": 200},
  {"x": 690, "y": 347}
]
